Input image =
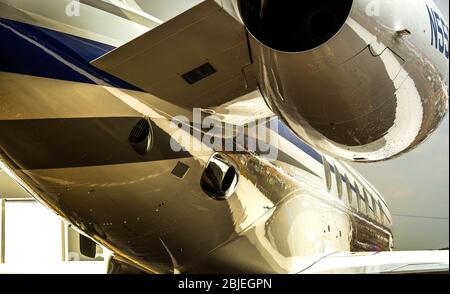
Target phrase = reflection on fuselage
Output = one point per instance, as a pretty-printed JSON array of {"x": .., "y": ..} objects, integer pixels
[{"x": 65, "y": 128}]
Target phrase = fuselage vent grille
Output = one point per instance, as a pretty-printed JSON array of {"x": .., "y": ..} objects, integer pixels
[{"x": 140, "y": 132}]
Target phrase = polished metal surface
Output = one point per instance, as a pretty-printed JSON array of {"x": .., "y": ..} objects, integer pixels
[{"x": 368, "y": 94}]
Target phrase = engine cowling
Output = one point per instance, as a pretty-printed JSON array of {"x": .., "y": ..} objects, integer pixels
[{"x": 349, "y": 78}]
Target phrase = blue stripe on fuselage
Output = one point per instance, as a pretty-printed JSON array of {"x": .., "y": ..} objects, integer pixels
[
  {"x": 88, "y": 50},
  {"x": 21, "y": 54},
  {"x": 285, "y": 132},
  {"x": 23, "y": 51}
]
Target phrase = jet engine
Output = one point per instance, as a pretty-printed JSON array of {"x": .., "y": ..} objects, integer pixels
[{"x": 356, "y": 79}]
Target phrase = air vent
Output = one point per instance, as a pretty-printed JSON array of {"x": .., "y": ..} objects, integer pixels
[
  {"x": 140, "y": 137},
  {"x": 140, "y": 132},
  {"x": 220, "y": 178},
  {"x": 200, "y": 73},
  {"x": 180, "y": 170}
]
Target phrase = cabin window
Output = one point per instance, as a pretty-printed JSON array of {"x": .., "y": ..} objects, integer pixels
[
  {"x": 386, "y": 220},
  {"x": 338, "y": 181},
  {"x": 366, "y": 201},
  {"x": 383, "y": 219},
  {"x": 358, "y": 196},
  {"x": 375, "y": 207},
  {"x": 349, "y": 190},
  {"x": 380, "y": 212},
  {"x": 328, "y": 179},
  {"x": 369, "y": 200}
]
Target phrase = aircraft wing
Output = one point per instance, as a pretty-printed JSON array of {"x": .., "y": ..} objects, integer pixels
[
  {"x": 197, "y": 59},
  {"x": 382, "y": 263}
]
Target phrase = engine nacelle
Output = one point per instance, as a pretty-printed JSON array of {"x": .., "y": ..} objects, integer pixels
[{"x": 356, "y": 79}]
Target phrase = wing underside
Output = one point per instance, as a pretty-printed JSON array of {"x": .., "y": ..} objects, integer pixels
[{"x": 197, "y": 59}]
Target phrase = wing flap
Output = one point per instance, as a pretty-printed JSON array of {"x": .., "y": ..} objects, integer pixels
[{"x": 159, "y": 61}]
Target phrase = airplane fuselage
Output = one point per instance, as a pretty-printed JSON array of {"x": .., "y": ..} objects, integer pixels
[{"x": 65, "y": 137}]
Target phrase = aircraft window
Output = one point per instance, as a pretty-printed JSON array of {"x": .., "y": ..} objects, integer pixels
[
  {"x": 380, "y": 212},
  {"x": 369, "y": 200},
  {"x": 328, "y": 180},
  {"x": 338, "y": 181},
  {"x": 386, "y": 220},
  {"x": 358, "y": 196},
  {"x": 349, "y": 190},
  {"x": 366, "y": 201},
  {"x": 375, "y": 208}
]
